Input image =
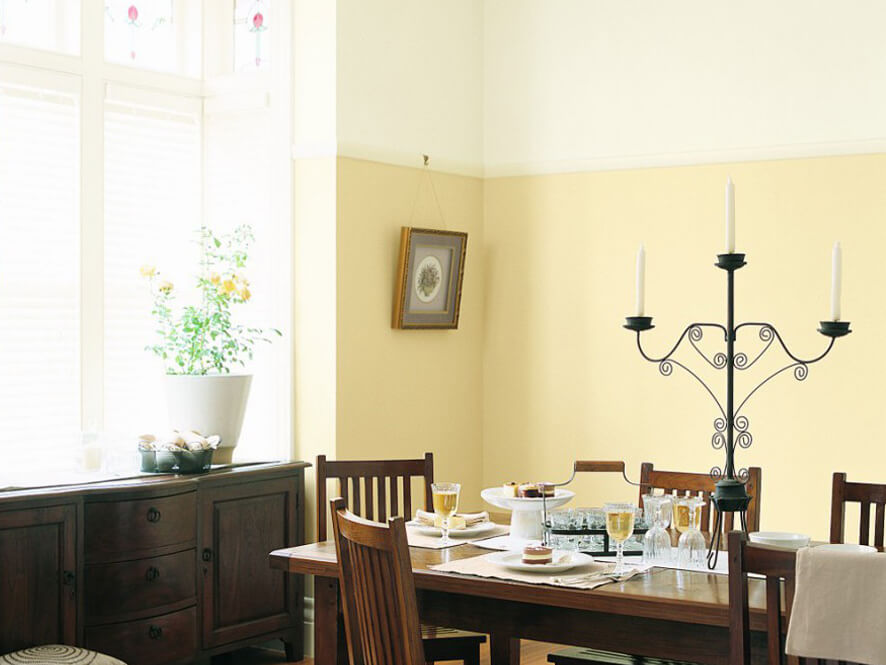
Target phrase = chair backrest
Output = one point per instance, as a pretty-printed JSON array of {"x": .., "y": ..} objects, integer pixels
[
  {"x": 864, "y": 494},
  {"x": 680, "y": 483},
  {"x": 776, "y": 565},
  {"x": 386, "y": 487},
  {"x": 377, "y": 588}
]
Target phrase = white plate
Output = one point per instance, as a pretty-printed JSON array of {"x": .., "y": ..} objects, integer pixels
[
  {"x": 467, "y": 532},
  {"x": 562, "y": 561},
  {"x": 791, "y": 541},
  {"x": 497, "y": 497},
  {"x": 847, "y": 547}
]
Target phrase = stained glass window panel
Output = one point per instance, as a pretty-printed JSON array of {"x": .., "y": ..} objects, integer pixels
[
  {"x": 53, "y": 25},
  {"x": 252, "y": 44},
  {"x": 141, "y": 33}
]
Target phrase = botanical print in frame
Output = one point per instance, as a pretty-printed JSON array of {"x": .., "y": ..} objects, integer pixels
[{"x": 429, "y": 278}]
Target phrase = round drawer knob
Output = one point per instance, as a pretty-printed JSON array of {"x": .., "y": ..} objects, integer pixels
[
  {"x": 152, "y": 574},
  {"x": 154, "y": 632},
  {"x": 153, "y": 515}
]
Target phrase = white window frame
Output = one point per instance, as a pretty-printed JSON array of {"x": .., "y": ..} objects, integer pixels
[{"x": 93, "y": 75}]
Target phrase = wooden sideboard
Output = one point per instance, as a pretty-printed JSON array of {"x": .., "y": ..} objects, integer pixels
[{"x": 155, "y": 570}]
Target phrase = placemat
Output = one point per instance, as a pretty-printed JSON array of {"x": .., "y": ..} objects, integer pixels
[
  {"x": 416, "y": 539},
  {"x": 588, "y": 576}
]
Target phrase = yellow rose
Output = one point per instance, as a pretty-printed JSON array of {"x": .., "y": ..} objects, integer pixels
[
  {"x": 147, "y": 271},
  {"x": 245, "y": 294},
  {"x": 215, "y": 278},
  {"x": 165, "y": 287},
  {"x": 228, "y": 286}
]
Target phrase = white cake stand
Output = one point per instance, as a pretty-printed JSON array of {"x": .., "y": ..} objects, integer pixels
[{"x": 526, "y": 514}]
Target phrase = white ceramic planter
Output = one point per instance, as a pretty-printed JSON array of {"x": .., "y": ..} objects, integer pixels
[{"x": 209, "y": 404}]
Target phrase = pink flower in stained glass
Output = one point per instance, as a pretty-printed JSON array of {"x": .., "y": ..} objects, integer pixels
[
  {"x": 258, "y": 20},
  {"x": 133, "y": 13}
]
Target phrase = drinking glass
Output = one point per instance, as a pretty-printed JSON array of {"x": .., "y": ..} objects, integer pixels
[
  {"x": 691, "y": 549},
  {"x": 619, "y": 526},
  {"x": 445, "y": 497},
  {"x": 657, "y": 541}
]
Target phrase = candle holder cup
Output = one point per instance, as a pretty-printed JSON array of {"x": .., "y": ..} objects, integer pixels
[
  {"x": 638, "y": 323},
  {"x": 732, "y": 261},
  {"x": 834, "y": 328}
]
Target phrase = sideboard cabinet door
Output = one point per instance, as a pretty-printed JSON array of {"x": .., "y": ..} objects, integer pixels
[
  {"x": 240, "y": 524},
  {"x": 38, "y": 577}
]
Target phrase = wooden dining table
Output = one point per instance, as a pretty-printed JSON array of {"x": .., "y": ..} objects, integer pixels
[{"x": 666, "y": 613}]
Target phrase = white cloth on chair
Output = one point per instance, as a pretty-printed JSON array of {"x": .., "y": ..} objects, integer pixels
[{"x": 839, "y": 611}]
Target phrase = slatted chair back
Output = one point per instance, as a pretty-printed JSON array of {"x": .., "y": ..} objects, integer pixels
[
  {"x": 679, "y": 483},
  {"x": 865, "y": 494},
  {"x": 378, "y": 591},
  {"x": 373, "y": 489},
  {"x": 776, "y": 565}
]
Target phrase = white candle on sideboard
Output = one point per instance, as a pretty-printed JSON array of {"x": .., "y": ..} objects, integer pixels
[
  {"x": 836, "y": 280},
  {"x": 730, "y": 216},
  {"x": 641, "y": 281}
]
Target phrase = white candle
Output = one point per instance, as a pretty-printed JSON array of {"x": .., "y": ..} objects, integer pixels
[
  {"x": 836, "y": 281},
  {"x": 641, "y": 281},
  {"x": 730, "y": 216}
]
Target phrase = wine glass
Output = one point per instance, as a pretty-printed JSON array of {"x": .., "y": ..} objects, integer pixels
[
  {"x": 657, "y": 541},
  {"x": 619, "y": 526},
  {"x": 445, "y": 497},
  {"x": 691, "y": 549}
]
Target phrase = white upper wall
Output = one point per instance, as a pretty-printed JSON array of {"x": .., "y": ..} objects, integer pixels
[
  {"x": 586, "y": 84},
  {"x": 410, "y": 81}
]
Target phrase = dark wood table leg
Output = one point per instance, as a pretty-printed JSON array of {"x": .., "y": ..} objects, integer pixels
[
  {"x": 329, "y": 639},
  {"x": 504, "y": 649}
]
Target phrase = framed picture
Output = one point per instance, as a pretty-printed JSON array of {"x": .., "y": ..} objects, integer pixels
[{"x": 429, "y": 277}]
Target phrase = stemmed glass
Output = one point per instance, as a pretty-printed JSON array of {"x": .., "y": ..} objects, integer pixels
[
  {"x": 620, "y": 527},
  {"x": 691, "y": 549},
  {"x": 445, "y": 497},
  {"x": 657, "y": 541}
]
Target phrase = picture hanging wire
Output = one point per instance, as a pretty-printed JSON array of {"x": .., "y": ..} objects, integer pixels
[{"x": 426, "y": 176}]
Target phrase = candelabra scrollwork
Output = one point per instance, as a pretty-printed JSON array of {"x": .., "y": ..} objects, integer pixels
[{"x": 731, "y": 427}]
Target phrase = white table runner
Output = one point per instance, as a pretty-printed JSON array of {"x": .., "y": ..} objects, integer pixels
[{"x": 588, "y": 576}]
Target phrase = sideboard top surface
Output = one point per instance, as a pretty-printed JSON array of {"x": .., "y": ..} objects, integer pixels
[{"x": 162, "y": 483}]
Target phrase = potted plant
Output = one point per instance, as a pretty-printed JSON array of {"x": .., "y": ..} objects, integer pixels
[{"x": 200, "y": 343}]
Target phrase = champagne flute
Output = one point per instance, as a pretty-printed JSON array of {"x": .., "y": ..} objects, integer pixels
[
  {"x": 691, "y": 548},
  {"x": 620, "y": 527},
  {"x": 445, "y": 497}
]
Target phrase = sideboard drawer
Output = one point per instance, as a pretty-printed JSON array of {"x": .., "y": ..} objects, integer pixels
[
  {"x": 166, "y": 639},
  {"x": 163, "y": 583},
  {"x": 120, "y": 529}
]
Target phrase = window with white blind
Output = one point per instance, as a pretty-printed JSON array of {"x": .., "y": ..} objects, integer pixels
[
  {"x": 39, "y": 272},
  {"x": 152, "y": 210},
  {"x": 105, "y": 168}
]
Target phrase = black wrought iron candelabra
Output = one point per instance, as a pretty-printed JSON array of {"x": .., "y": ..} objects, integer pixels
[{"x": 731, "y": 426}]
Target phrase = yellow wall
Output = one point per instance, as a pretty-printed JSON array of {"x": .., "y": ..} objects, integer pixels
[
  {"x": 563, "y": 380},
  {"x": 403, "y": 392}
]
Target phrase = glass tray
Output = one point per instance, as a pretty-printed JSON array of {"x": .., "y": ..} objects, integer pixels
[{"x": 606, "y": 549}]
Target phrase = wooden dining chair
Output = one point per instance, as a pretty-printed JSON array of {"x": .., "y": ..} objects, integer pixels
[
  {"x": 778, "y": 566},
  {"x": 681, "y": 483},
  {"x": 377, "y": 590},
  {"x": 375, "y": 490},
  {"x": 864, "y": 494}
]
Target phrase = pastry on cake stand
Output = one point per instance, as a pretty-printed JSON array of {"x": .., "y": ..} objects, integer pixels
[{"x": 526, "y": 513}]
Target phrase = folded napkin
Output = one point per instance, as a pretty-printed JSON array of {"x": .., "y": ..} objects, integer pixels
[
  {"x": 470, "y": 519},
  {"x": 838, "y": 610}
]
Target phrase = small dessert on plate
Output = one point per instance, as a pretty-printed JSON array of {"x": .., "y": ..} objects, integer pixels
[
  {"x": 510, "y": 489},
  {"x": 537, "y": 555},
  {"x": 535, "y": 490}
]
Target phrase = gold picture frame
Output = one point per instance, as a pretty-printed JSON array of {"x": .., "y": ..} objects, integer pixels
[{"x": 429, "y": 279}]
